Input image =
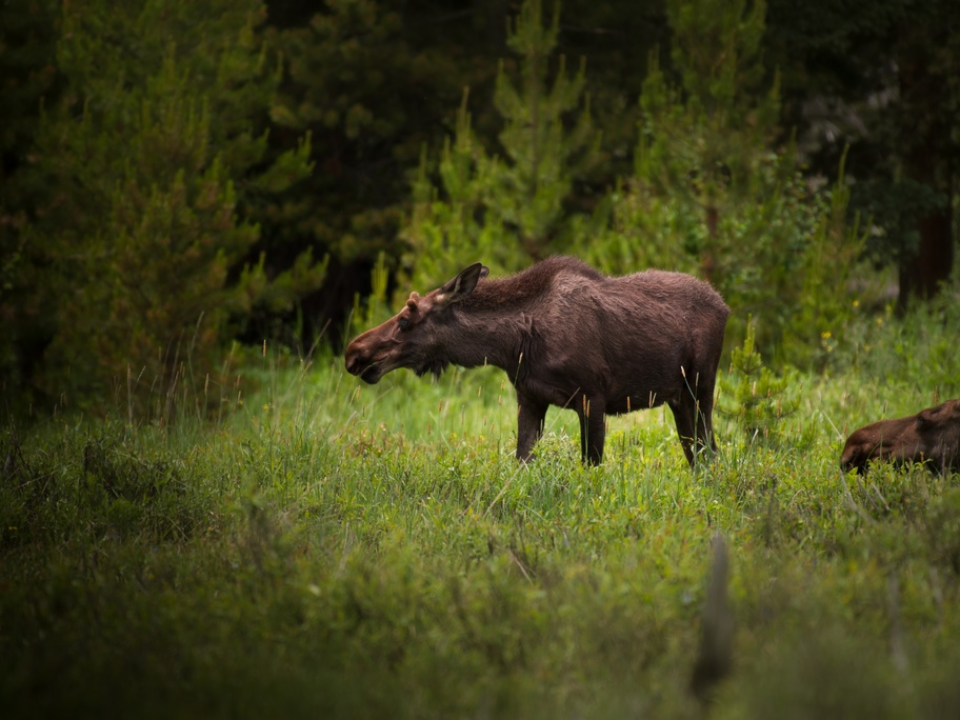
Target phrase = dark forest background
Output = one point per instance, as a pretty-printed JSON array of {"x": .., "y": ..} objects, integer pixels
[{"x": 181, "y": 180}]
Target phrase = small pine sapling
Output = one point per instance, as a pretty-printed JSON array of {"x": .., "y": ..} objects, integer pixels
[{"x": 758, "y": 396}]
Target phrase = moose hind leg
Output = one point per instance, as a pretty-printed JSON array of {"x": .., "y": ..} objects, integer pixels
[
  {"x": 685, "y": 416},
  {"x": 592, "y": 430},
  {"x": 704, "y": 412}
]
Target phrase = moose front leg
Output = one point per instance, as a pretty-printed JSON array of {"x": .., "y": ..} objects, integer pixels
[
  {"x": 592, "y": 429},
  {"x": 530, "y": 421},
  {"x": 691, "y": 427}
]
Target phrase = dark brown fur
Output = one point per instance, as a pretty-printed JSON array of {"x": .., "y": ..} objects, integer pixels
[
  {"x": 931, "y": 436},
  {"x": 567, "y": 336}
]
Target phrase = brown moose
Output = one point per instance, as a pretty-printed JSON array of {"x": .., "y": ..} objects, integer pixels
[
  {"x": 567, "y": 336},
  {"x": 932, "y": 436}
]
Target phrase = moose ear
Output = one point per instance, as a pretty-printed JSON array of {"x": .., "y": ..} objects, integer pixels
[{"x": 463, "y": 284}]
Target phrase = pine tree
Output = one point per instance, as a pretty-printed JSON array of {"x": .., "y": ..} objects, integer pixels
[
  {"x": 877, "y": 82},
  {"x": 27, "y": 51},
  {"x": 372, "y": 82},
  {"x": 753, "y": 394},
  {"x": 541, "y": 156},
  {"x": 508, "y": 208},
  {"x": 152, "y": 158},
  {"x": 705, "y": 137},
  {"x": 713, "y": 193}
]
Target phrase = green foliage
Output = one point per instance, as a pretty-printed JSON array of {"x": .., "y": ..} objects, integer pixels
[
  {"x": 27, "y": 49},
  {"x": 125, "y": 486},
  {"x": 147, "y": 218},
  {"x": 354, "y": 81},
  {"x": 542, "y": 157},
  {"x": 507, "y": 208},
  {"x": 920, "y": 344},
  {"x": 376, "y": 309},
  {"x": 704, "y": 138},
  {"x": 820, "y": 298},
  {"x": 340, "y": 550},
  {"x": 152, "y": 155},
  {"x": 711, "y": 194},
  {"x": 899, "y": 124},
  {"x": 790, "y": 264},
  {"x": 754, "y": 395}
]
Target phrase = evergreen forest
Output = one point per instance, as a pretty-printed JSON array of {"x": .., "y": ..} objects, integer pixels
[
  {"x": 203, "y": 514},
  {"x": 182, "y": 180}
]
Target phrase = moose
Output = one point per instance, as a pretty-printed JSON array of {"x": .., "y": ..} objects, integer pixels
[
  {"x": 932, "y": 436},
  {"x": 567, "y": 336}
]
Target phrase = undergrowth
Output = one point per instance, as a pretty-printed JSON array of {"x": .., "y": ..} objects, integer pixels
[{"x": 323, "y": 548}]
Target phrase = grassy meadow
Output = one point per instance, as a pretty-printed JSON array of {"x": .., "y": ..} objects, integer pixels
[{"x": 323, "y": 548}]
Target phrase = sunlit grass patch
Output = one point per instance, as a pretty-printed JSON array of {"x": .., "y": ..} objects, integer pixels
[{"x": 332, "y": 548}]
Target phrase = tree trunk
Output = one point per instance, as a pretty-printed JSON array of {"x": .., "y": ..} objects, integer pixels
[
  {"x": 925, "y": 146},
  {"x": 708, "y": 258}
]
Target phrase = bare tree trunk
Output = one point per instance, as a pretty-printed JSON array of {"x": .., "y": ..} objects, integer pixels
[{"x": 926, "y": 159}]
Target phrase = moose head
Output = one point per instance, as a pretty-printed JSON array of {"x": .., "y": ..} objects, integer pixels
[{"x": 418, "y": 336}]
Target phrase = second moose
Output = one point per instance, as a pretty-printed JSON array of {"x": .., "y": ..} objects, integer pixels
[
  {"x": 932, "y": 437},
  {"x": 567, "y": 336}
]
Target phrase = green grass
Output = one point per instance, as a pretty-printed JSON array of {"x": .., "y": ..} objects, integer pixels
[{"x": 325, "y": 549}]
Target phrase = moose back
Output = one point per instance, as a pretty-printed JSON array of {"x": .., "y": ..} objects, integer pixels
[{"x": 568, "y": 336}]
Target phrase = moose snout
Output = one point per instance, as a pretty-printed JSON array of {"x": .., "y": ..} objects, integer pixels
[
  {"x": 361, "y": 363},
  {"x": 354, "y": 361}
]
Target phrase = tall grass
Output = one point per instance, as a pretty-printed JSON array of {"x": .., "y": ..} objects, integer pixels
[{"x": 323, "y": 548}]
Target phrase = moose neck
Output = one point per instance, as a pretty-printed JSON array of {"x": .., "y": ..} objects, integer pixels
[
  {"x": 484, "y": 338},
  {"x": 494, "y": 326}
]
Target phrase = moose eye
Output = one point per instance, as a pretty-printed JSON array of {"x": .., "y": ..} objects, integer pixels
[
  {"x": 404, "y": 323},
  {"x": 921, "y": 422}
]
